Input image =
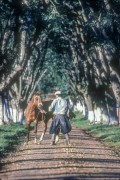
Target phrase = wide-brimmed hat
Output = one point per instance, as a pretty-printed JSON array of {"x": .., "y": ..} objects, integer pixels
[{"x": 58, "y": 92}]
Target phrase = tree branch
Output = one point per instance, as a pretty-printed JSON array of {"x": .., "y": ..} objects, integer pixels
[{"x": 10, "y": 79}]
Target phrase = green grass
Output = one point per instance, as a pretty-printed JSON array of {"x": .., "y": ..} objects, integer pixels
[
  {"x": 108, "y": 134},
  {"x": 10, "y": 136}
]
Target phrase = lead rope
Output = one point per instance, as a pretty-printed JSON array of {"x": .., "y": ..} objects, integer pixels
[{"x": 43, "y": 117}]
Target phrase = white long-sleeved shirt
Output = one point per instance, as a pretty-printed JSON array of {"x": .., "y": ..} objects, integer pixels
[{"x": 59, "y": 106}]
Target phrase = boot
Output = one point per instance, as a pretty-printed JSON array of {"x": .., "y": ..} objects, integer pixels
[
  {"x": 57, "y": 138},
  {"x": 67, "y": 140},
  {"x": 53, "y": 139},
  {"x": 53, "y": 143}
]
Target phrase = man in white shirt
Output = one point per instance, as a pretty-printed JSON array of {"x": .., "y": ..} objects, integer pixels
[{"x": 61, "y": 121}]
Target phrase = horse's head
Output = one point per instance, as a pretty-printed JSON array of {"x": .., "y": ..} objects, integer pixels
[{"x": 36, "y": 99}]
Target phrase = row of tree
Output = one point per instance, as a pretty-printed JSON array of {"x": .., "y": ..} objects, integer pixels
[{"x": 72, "y": 45}]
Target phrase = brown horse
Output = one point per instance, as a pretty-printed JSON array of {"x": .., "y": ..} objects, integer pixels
[
  {"x": 37, "y": 110},
  {"x": 44, "y": 116}
]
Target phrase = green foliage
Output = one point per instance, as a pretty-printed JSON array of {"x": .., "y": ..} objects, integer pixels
[
  {"x": 76, "y": 41},
  {"x": 10, "y": 135}
]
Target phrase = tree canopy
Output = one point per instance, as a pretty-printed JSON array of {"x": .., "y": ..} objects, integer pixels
[{"x": 71, "y": 44}]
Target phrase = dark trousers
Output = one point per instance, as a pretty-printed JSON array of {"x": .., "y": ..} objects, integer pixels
[{"x": 60, "y": 122}]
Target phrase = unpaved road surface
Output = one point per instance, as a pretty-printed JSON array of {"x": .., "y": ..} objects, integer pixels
[{"x": 85, "y": 159}]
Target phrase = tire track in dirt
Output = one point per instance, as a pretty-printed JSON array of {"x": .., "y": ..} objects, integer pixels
[{"x": 85, "y": 159}]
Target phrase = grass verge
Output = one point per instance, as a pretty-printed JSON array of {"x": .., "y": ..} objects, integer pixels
[
  {"x": 110, "y": 135},
  {"x": 10, "y": 136}
]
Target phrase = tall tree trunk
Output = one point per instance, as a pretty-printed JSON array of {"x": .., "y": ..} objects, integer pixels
[
  {"x": 89, "y": 103},
  {"x": 1, "y": 111}
]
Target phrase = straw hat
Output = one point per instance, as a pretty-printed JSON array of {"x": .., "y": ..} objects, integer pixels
[{"x": 58, "y": 92}]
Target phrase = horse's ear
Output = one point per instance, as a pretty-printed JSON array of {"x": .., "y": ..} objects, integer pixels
[{"x": 37, "y": 94}]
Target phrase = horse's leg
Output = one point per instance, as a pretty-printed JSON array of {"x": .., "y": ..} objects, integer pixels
[
  {"x": 35, "y": 131},
  {"x": 28, "y": 132},
  {"x": 44, "y": 125}
]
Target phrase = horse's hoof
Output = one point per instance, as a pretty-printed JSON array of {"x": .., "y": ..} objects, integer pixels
[{"x": 40, "y": 142}]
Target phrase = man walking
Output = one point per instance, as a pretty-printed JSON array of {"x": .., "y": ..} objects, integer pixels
[{"x": 61, "y": 121}]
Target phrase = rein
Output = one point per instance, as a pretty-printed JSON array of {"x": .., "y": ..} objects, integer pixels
[{"x": 43, "y": 115}]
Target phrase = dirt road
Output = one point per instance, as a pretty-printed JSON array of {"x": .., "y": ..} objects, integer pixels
[{"x": 85, "y": 159}]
